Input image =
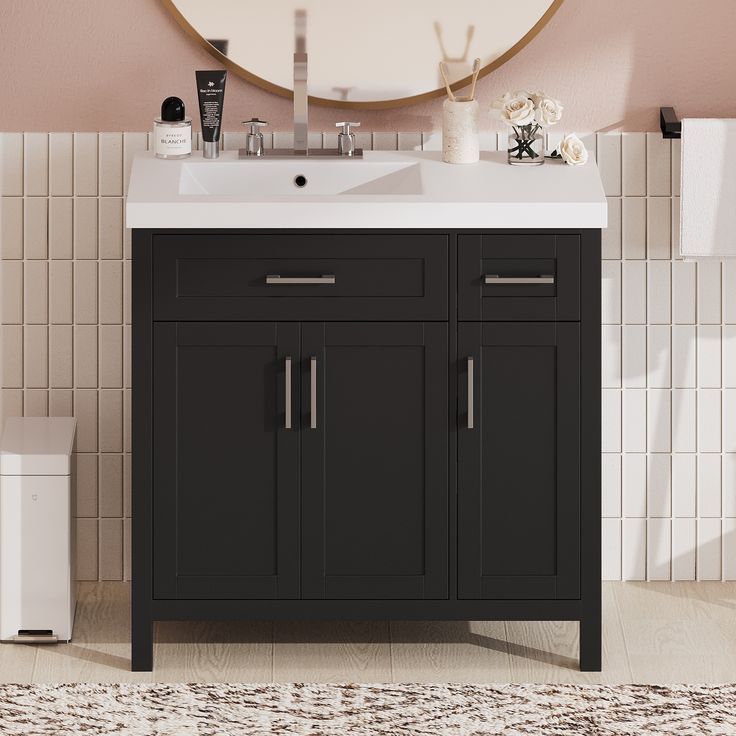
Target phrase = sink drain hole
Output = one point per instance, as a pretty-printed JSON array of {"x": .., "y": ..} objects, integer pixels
[{"x": 300, "y": 181}]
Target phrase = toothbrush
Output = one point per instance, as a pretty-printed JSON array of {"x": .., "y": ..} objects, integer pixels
[
  {"x": 476, "y": 71},
  {"x": 450, "y": 93}
]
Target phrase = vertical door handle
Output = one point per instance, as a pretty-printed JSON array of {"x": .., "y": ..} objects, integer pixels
[
  {"x": 287, "y": 393},
  {"x": 313, "y": 392},
  {"x": 471, "y": 400}
]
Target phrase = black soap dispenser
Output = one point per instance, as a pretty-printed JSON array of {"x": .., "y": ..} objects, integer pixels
[{"x": 172, "y": 132}]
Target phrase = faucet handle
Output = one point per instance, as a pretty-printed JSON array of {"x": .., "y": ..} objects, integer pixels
[
  {"x": 255, "y": 124},
  {"x": 254, "y": 139},
  {"x": 346, "y": 127}
]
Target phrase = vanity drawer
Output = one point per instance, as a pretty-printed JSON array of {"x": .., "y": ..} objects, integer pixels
[
  {"x": 315, "y": 276},
  {"x": 519, "y": 277}
]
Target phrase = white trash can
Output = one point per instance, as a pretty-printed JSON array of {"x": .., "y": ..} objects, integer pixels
[{"x": 37, "y": 540}]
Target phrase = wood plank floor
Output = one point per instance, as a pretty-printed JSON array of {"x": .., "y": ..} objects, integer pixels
[{"x": 653, "y": 632}]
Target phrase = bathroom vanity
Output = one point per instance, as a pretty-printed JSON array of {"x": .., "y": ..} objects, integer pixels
[{"x": 378, "y": 399}]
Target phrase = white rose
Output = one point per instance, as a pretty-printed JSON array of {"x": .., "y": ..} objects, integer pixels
[
  {"x": 572, "y": 150},
  {"x": 515, "y": 110},
  {"x": 536, "y": 96},
  {"x": 548, "y": 111}
]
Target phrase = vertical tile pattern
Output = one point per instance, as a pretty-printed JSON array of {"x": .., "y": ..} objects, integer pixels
[
  {"x": 11, "y": 228},
  {"x": 659, "y": 545},
  {"x": 677, "y": 403},
  {"x": 111, "y": 549},
  {"x": 35, "y": 164},
  {"x": 634, "y": 228},
  {"x": 684, "y": 420},
  {"x": 634, "y": 485},
  {"x": 35, "y": 227},
  {"x": 659, "y": 486},
  {"x": 611, "y": 534},
  {"x": 634, "y": 549},
  {"x": 85, "y": 164},
  {"x": 62, "y": 310},
  {"x": 611, "y": 237},
  {"x": 61, "y": 164},
  {"x": 709, "y": 549},
  {"x": 659, "y": 228},
  {"x": 684, "y": 485},
  {"x": 683, "y": 356},
  {"x": 683, "y": 549},
  {"x": 12, "y": 357},
  {"x": 611, "y": 485},
  {"x": 633, "y": 165},
  {"x": 11, "y": 164},
  {"x": 110, "y": 162},
  {"x": 709, "y": 292},
  {"x": 12, "y": 292},
  {"x": 668, "y": 343},
  {"x": 634, "y": 355},
  {"x": 658, "y": 162},
  {"x": 634, "y": 285},
  {"x": 61, "y": 228},
  {"x": 611, "y": 349}
]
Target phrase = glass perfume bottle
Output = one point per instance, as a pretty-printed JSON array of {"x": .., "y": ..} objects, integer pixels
[{"x": 172, "y": 132}]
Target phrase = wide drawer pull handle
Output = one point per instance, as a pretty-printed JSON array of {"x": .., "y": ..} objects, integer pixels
[
  {"x": 287, "y": 394},
  {"x": 496, "y": 279},
  {"x": 313, "y": 393},
  {"x": 471, "y": 398},
  {"x": 274, "y": 278}
]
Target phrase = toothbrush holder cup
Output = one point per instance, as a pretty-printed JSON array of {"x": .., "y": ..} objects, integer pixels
[{"x": 460, "y": 144}]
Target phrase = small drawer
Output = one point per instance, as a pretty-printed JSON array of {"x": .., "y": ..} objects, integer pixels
[
  {"x": 277, "y": 276},
  {"x": 519, "y": 277}
]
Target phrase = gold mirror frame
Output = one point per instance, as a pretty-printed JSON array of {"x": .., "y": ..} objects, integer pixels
[{"x": 347, "y": 104}]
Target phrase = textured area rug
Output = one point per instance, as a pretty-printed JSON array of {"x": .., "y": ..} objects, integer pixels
[{"x": 367, "y": 710}]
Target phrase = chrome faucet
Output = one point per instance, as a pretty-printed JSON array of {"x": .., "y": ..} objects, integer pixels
[
  {"x": 254, "y": 139},
  {"x": 254, "y": 146},
  {"x": 301, "y": 98}
]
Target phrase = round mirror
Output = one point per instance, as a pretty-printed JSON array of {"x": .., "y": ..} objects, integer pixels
[{"x": 381, "y": 54}]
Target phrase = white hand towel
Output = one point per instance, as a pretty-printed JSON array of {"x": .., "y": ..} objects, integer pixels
[{"x": 708, "y": 188}]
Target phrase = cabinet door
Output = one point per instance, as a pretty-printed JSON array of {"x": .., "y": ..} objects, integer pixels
[
  {"x": 374, "y": 460},
  {"x": 225, "y": 467},
  {"x": 518, "y": 460}
]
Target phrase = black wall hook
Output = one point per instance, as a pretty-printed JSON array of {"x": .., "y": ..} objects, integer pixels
[{"x": 669, "y": 123}]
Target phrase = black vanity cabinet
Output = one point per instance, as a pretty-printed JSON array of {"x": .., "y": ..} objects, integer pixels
[
  {"x": 519, "y": 460},
  {"x": 226, "y": 480},
  {"x": 374, "y": 460},
  {"x": 366, "y": 424}
]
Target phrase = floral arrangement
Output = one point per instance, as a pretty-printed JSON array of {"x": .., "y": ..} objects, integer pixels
[{"x": 526, "y": 112}]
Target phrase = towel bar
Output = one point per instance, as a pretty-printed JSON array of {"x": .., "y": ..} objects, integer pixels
[{"x": 669, "y": 123}]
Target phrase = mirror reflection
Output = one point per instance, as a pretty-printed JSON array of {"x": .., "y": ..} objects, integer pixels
[{"x": 382, "y": 51}]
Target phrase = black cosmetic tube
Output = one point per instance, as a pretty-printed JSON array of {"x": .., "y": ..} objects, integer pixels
[{"x": 211, "y": 93}]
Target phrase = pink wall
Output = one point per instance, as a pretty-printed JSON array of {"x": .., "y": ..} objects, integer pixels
[{"x": 106, "y": 65}]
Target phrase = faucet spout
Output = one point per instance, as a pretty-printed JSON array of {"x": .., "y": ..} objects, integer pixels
[{"x": 301, "y": 97}]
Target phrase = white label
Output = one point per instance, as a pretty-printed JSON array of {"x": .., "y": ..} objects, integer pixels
[{"x": 172, "y": 141}]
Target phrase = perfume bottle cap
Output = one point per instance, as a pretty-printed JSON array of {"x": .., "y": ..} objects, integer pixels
[{"x": 172, "y": 110}]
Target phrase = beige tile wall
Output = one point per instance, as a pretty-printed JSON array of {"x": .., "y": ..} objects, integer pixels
[
  {"x": 65, "y": 319},
  {"x": 669, "y": 344}
]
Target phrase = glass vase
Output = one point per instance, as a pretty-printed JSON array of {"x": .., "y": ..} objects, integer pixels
[{"x": 526, "y": 145}]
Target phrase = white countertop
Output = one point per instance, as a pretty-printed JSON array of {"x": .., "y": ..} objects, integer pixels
[{"x": 489, "y": 194}]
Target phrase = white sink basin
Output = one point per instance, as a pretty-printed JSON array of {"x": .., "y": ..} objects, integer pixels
[
  {"x": 298, "y": 178},
  {"x": 385, "y": 189}
]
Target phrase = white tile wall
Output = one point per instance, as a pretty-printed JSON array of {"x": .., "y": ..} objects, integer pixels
[
  {"x": 668, "y": 344},
  {"x": 677, "y": 363}
]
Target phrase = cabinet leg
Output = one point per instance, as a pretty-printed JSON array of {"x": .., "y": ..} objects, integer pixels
[
  {"x": 142, "y": 646},
  {"x": 590, "y": 645}
]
